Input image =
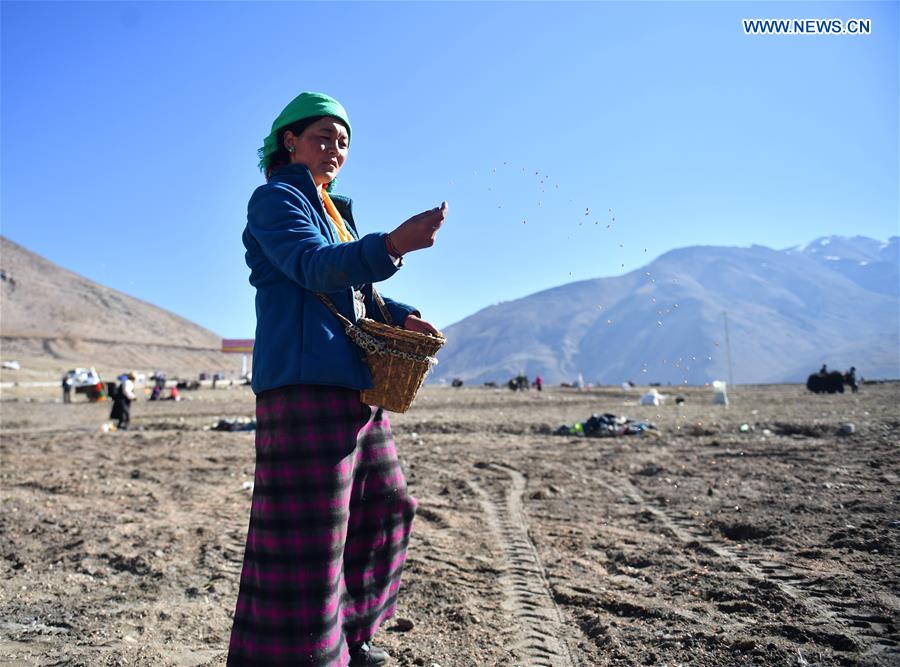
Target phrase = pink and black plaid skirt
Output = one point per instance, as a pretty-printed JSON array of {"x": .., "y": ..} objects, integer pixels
[{"x": 329, "y": 528}]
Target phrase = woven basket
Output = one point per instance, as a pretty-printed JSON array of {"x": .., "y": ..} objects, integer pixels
[
  {"x": 398, "y": 359},
  {"x": 397, "y": 379}
]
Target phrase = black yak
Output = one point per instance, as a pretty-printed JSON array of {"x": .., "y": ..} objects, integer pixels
[
  {"x": 820, "y": 383},
  {"x": 519, "y": 383}
]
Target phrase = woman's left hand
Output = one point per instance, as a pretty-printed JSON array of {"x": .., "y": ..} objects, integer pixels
[{"x": 414, "y": 323}]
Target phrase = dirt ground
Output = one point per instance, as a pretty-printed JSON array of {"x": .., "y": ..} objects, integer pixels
[{"x": 704, "y": 543}]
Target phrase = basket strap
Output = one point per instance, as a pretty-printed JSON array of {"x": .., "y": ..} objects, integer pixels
[
  {"x": 327, "y": 301},
  {"x": 370, "y": 343},
  {"x": 381, "y": 305}
]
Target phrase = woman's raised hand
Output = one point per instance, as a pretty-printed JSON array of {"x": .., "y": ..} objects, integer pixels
[{"x": 419, "y": 231}]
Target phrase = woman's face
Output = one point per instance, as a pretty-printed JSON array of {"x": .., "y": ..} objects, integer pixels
[{"x": 322, "y": 147}]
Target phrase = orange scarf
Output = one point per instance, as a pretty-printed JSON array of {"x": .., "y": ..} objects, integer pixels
[{"x": 343, "y": 233}]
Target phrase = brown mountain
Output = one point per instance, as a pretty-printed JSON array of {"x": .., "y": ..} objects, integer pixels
[
  {"x": 52, "y": 319},
  {"x": 834, "y": 300}
]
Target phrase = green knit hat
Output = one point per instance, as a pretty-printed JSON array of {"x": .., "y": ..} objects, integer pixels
[{"x": 305, "y": 105}]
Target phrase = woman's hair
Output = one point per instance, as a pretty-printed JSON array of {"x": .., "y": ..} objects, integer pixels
[{"x": 281, "y": 157}]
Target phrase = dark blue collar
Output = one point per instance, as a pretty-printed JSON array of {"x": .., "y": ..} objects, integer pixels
[{"x": 300, "y": 177}]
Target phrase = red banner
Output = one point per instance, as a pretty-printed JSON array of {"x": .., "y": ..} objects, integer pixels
[{"x": 242, "y": 345}]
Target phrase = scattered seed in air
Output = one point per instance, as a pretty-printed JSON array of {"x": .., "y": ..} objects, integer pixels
[
  {"x": 658, "y": 323},
  {"x": 675, "y": 306},
  {"x": 609, "y": 321},
  {"x": 524, "y": 221}
]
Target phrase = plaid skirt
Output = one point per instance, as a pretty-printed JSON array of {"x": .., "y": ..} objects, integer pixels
[{"x": 329, "y": 527}]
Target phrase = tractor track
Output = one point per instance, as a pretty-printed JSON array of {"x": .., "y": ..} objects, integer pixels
[
  {"x": 522, "y": 577},
  {"x": 846, "y": 623}
]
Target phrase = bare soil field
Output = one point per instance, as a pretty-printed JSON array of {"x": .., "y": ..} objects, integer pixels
[{"x": 755, "y": 534}]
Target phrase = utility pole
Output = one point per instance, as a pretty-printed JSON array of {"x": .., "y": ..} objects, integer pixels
[{"x": 728, "y": 351}]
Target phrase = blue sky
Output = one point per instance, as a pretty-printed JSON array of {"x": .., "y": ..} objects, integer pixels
[{"x": 571, "y": 141}]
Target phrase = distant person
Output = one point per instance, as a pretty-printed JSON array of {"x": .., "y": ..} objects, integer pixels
[
  {"x": 67, "y": 389},
  {"x": 331, "y": 514},
  {"x": 851, "y": 379},
  {"x": 823, "y": 370},
  {"x": 173, "y": 394},
  {"x": 122, "y": 399},
  {"x": 158, "y": 387},
  {"x": 538, "y": 382}
]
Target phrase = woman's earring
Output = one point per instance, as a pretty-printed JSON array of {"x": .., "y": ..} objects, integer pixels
[{"x": 290, "y": 149}]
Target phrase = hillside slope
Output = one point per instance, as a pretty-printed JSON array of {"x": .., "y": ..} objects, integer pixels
[{"x": 52, "y": 319}]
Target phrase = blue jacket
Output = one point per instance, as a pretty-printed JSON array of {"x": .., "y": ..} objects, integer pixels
[{"x": 293, "y": 252}]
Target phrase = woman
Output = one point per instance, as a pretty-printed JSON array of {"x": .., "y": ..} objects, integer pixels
[
  {"x": 331, "y": 515},
  {"x": 121, "y": 409}
]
